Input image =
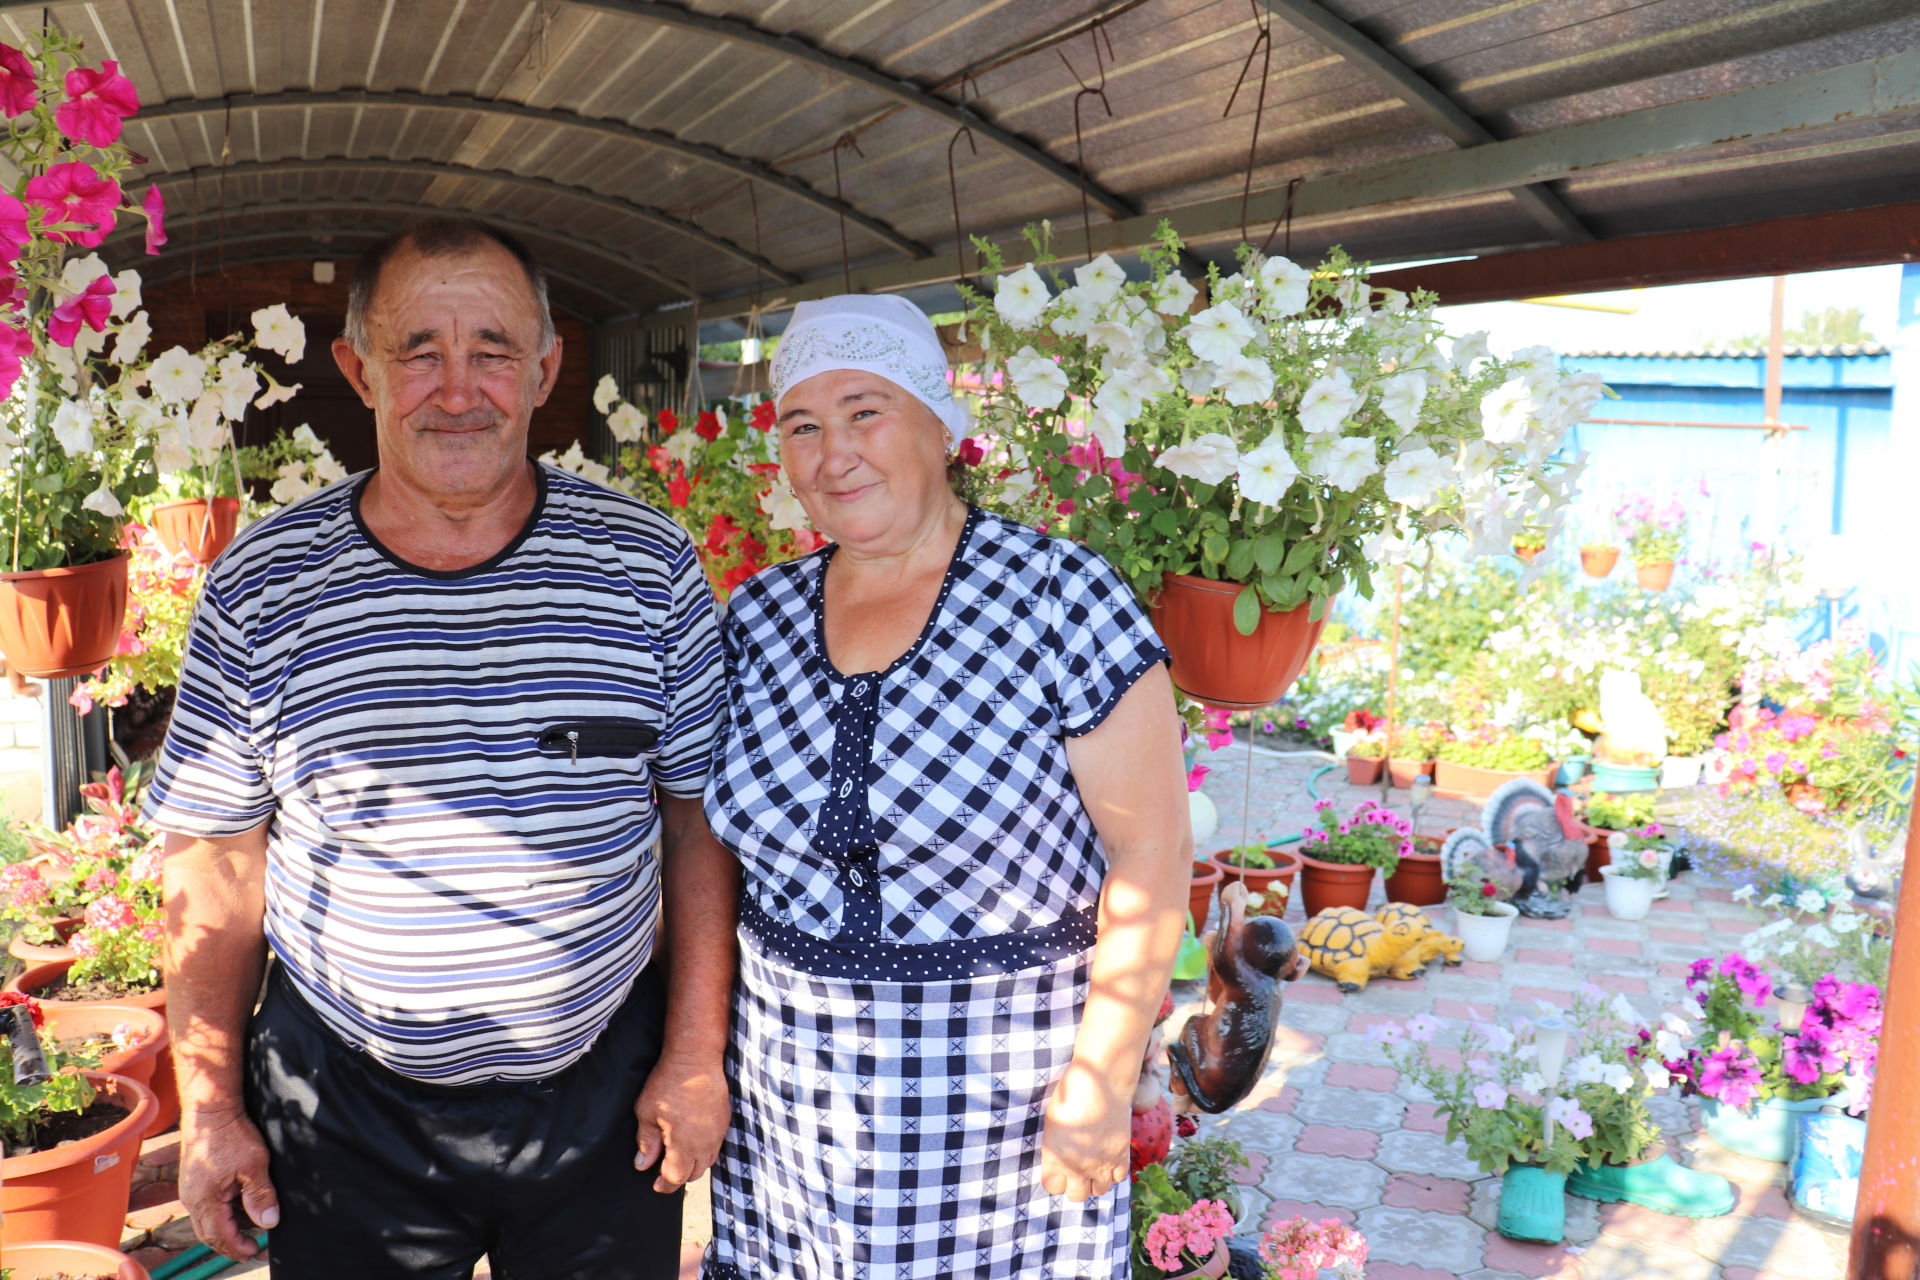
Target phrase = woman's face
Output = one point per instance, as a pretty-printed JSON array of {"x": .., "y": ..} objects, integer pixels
[{"x": 866, "y": 458}]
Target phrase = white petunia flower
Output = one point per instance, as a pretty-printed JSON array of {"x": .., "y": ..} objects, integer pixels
[
  {"x": 275, "y": 394},
  {"x": 1469, "y": 347},
  {"x": 1117, "y": 338},
  {"x": 206, "y": 431},
  {"x": 77, "y": 273},
  {"x": 103, "y": 501},
  {"x": 1506, "y": 413},
  {"x": 237, "y": 383},
  {"x": 1401, "y": 397},
  {"x": 1658, "y": 1077},
  {"x": 1100, "y": 280},
  {"x": 1266, "y": 473},
  {"x": 1072, "y": 313},
  {"x": 1622, "y": 1010},
  {"x": 681, "y": 446},
  {"x": 782, "y": 508},
  {"x": 1537, "y": 366},
  {"x": 1017, "y": 487},
  {"x": 170, "y": 452},
  {"x": 605, "y": 393},
  {"x": 1617, "y": 1078},
  {"x": 1038, "y": 380},
  {"x": 292, "y": 484},
  {"x": 304, "y": 437},
  {"x": 1244, "y": 381},
  {"x": 1744, "y": 893},
  {"x": 1414, "y": 476},
  {"x": 1109, "y": 430},
  {"x": 1199, "y": 378},
  {"x": 1344, "y": 463},
  {"x": 1174, "y": 295},
  {"x": 626, "y": 424},
  {"x": 1325, "y": 403},
  {"x": 132, "y": 338},
  {"x": 1809, "y": 901},
  {"x": 279, "y": 331},
  {"x": 1820, "y": 936},
  {"x": 126, "y": 293},
  {"x": 1210, "y": 459},
  {"x": 1283, "y": 286},
  {"x": 73, "y": 428},
  {"x": 1219, "y": 333},
  {"x": 177, "y": 376},
  {"x": 1020, "y": 296},
  {"x": 329, "y": 470}
]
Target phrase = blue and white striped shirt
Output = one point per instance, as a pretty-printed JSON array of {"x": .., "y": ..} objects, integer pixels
[{"x": 459, "y": 766}]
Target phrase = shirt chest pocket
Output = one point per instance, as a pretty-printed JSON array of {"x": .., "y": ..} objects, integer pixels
[{"x": 600, "y": 741}]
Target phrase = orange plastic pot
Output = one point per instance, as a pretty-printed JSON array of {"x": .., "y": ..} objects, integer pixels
[
  {"x": 37, "y": 1259},
  {"x": 1417, "y": 880},
  {"x": 1468, "y": 782},
  {"x": 1365, "y": 771},
  {"x": 1333, "y": 884},
  {"x": 36, "y": 953},
  {"x": 1527, "y": 553},
  {"x": 1655, "y": 577},
  {"x": 137, "y": 1061},
  {"x": 1286, "y": 865},
  {"x": 63, "y": 622},
  {"x": 78, "y": 1190},
  {"x": 1206, "y": 878},
  {"x": 1401, "y": 773},
  {"x": 1212, "y": 661},
  {"x": 201, "y": 527},
  {"x": 165, "y": 1088},
  {"x": 1599, "y": 851},
  {"x": 1599, "y": 561}
]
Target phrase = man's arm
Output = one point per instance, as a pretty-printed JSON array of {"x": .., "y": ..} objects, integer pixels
[
  {"x": 216, "y": 953},
  {"x": 684, "y": 1108}
]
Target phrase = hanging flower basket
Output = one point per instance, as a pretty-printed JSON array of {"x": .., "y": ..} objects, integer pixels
[
  {"x": 1599, "y": 561},
  {"x": 1654, "y": 577},
  {"x": 1212, "y": 662},
  {"x": 201, "y": 527},
  {"x": 63, "y": 622}
]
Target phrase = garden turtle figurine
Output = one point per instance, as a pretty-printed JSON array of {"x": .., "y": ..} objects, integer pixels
[
  {"x": 1352, "y": 947},
  {"x": 1426, "y": 944}
]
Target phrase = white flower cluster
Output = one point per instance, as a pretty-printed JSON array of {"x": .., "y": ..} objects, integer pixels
[{"x": 298, "y": 479}]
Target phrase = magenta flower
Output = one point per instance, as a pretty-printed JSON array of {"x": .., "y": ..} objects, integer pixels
[
  {"x": 156, "y": 206},
  {"x": 14, "y": 234},
  {"x": 91, "y": 307},
  {"x": 14, "y": 344},
  {"x": 1730, "y": 1074},
  {"x": 74, "y": 195},
  {"x": 19, "y": 88},
  {"x": 1754, "y": 985},
  {"x": 1804, "y": 1056},
  {"x": 97, "y": 101}
]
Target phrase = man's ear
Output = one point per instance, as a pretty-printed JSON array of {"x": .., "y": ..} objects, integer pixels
[
  {"x": 549, "y": 371},
  {"x": 355, "y": 370}
]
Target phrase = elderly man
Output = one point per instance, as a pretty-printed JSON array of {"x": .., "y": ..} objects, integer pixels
[{"x": 439, "y": 747}]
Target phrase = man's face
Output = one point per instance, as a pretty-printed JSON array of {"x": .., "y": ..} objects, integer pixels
[{"x": 453, "y": 370}]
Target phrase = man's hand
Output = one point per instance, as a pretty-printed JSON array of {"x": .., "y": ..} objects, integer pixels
[
  {"x": 683, "y": 1110},
  {"x": 223, "y": 1182},
  {"x": 1084, "y": 1144}
]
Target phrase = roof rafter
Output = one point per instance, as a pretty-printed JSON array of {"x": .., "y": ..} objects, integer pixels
[
  {"x": 900, "y": 90},
  {"x": 1364, "y": 53},
  {"x": 122, "y": 248},
  {"x": 753, "y": 170},
  {"x": 448, "y": 169}
]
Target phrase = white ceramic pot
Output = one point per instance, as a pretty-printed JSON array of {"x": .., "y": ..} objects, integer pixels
[
  {"x": 1343, "y": 740},
  {"x": 1628, "y": 898},
  {"x": 1681, "y": 771},
  {"x": 1204, "y": 816},
  {"x": 1713, "y": 768},
  {"x": 1486, "y": 936}
]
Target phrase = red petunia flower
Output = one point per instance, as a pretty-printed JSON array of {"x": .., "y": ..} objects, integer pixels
[
  {"x": 707, "y": 425},
  {"x": 156, "y": 206},
  {"x": 679, "y": 491},
  {"x": 73, "y": 194},
  {"x": 19, "y": 87},
  {"x": 91, "y": 307},
  {"x": 669, "y": 421},
  {"x": 98, "y": 99},
  {"x": 763, "y": 416}
]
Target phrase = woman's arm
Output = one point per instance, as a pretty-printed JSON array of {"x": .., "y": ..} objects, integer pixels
[{"x": 1130, "y": 777}]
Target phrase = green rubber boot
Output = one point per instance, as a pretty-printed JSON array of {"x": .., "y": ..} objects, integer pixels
[
  {"x": 1533, "y": 1205},
  {"x": 1659, "y": 1184}
]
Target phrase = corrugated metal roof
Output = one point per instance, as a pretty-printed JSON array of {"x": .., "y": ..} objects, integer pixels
[
  {"x": 1712, "y": 353},
  {"x": 623, "y": 136}
]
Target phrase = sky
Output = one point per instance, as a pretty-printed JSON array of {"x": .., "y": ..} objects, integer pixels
[{"x": 1680, "y": 316}]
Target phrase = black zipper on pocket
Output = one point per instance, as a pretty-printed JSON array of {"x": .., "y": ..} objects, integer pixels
[{"x": 621, "y": 738}]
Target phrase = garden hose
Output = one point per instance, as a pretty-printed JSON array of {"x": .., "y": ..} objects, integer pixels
[{"x": 198, "y": 1263}]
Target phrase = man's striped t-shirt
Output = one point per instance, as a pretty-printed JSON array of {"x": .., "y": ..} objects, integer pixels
[{"x": 459, "y": 766}]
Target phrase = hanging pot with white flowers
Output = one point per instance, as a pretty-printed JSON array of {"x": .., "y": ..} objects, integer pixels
[{"x": 1244, "y": 463}]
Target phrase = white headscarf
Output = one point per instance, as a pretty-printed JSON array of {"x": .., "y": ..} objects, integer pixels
[{"x": 874, "y": 333}]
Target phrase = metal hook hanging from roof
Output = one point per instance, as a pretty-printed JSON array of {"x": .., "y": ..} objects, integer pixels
[
  {"x": 953, "y": 185},
  {"x": 846, "y": 263},
  {"x": 1096, "y": 32}
]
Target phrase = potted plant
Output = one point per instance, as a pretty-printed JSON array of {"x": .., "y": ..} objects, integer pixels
[
  {"x": 1756, "y": 1077},
  {"x": 1475, "y": 765},
  {"x": 44, "y": 896},
  {"x": 1609, "y": 815},
  {"x": 1598, "y": 558},
  {"x": 1656, "y": 532},
  {"x": 1358, "y": 724},
  {"x": 1206, "y": 878},
  {"x": 1338, "y": 859},
  {"x": 1635, "y": 876},
  {"x": 71, "y": 1139},
  {"x": 1228, "y": 461},
  {"x": 1366, "y": 761},
  {"x": 1267, "y": 872},
  {"x": 1296, "y": 1249},
  {"x": 1418, "y": 879},
  {"x": 1529, "y": 543},
  {"x": 1412, "y": 752},
  {"x": 1482, "y": 919},
  {"x": 1176, "y": 1237},
  {"x": 50, "y": 1259}
]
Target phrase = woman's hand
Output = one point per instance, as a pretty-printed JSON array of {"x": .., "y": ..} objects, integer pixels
[{"x": 1084, "y": 1146}]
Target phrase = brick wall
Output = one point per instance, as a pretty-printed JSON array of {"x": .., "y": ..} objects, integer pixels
[{"x": 20, "y": 735}]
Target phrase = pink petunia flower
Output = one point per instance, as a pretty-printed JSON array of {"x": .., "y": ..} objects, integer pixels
[
  {"x": 91, "y": 306},
  {"x": 156, "y": 206},
  {"x": 13, "y": 227},
  {"x": 19, "y": 87},
  {"x": 98, "y": 99},
  {"x": 72, "y": 193},
  {"x": 14, "y": 344}
]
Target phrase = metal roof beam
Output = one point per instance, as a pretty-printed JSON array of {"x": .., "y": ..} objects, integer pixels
[
  {"x": 126, "y": 248},
  {"x": 750, "y": 169},
  {"x": 1857, "y": 93},
  {"x": 448, "y": 169},
  {"x": 900, "y": 90},
  {"x": 1364, "y": 53}
]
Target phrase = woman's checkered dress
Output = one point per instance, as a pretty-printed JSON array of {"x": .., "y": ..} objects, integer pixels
[{"x": 918, "y": 920}]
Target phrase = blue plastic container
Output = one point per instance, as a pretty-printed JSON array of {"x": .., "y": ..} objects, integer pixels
[
  {"x": 1764, "y": 1131},
  {"x": 1827, "y": 1155},
  {"x": 1622, "y": 777},
  {"x": 1572, "y": 769}
]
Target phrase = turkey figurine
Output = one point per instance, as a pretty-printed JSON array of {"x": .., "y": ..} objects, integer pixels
[{"x": 1530, "y": 844}]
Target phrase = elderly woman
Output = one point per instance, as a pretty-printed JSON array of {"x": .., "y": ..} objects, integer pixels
[{"x": 952, "y": 778}]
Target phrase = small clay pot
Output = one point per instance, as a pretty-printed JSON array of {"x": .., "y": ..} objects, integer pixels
[
  {"x": 1365, "y": 771},
  {"x": 1654, "y": 577},
  {"x": 1599, "y": 561}
]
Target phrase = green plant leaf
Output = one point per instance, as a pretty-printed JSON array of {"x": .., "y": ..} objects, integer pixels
[
  {"x": 1246, "y": 611},
  {"x": 1214, "y": 547},
  {"x": 1270, "y": 551},
  {"x": 1240, "y": 561},
  {"x": 1302, "y": 554}
]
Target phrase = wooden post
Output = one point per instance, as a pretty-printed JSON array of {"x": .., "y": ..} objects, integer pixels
[
  {"x": 1393, "y": 662},
  {"x": 1886, "y": 1225}
]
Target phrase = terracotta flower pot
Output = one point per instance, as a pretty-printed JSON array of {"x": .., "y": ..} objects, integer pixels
[
  {"x": 1656, "y": 576},
  {"x": 1527, "y": 553},
  {"x": 1286, "y": 866},
  {"x": 1401, "y": 773},
  {"x": 1467, "y": 782},
  {"x": 1333, "y": 884},
  {"x": 201, "y": 527},
  {"x": 78, "y": 1190},
  {"x": 165, "y": 1088},
  {"x": 1212, "y": 661},
  {"x": 36, "y": 1259},
  {"x": 36, "y": 953},
  {"x": 63, "y": 622},
  {"x": 1599, "y": 561},
  {"x": 1365, "y": 771},
  {"x": 135, "y": 1062},
  {"x": 1206, "y": 878},
  {"x": 1212, "y": 1269},
  {"x": 1599, "y": 851},
  {"x": 1418, "y": 880}
]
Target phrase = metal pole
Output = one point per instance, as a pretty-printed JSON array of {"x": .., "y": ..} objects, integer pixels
[
  {"x": 74, "y": 747},
  {"x": 1886, "y": 1224},
  {"x": 1776, "y": 352}
]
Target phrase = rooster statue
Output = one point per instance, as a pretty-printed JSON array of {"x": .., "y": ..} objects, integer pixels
[{"x": 1529, "y": 844}]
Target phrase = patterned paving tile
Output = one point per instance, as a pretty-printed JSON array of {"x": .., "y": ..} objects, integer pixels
[
  {"x": 1449, "y": 1244},
  {"x": 1335, "y": 1180}
]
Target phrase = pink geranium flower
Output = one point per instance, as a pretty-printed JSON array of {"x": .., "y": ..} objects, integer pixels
[
  {"x": 91, "y": 307},
  {"x": 19, "y": 89},
  {"x": 156, "y": 206},
  {"x": 98, "y": 99},
  {"x": 72, "y": 193}
]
